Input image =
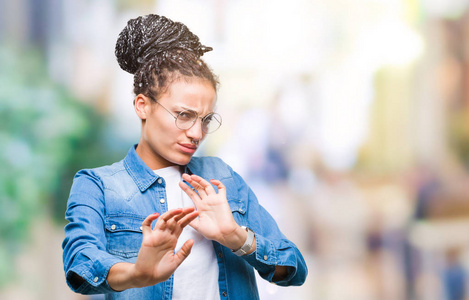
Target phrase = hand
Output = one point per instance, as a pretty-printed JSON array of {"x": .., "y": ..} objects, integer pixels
[
  {"x": 215, "y": 220},
  {"x": 156, "y": 260}
]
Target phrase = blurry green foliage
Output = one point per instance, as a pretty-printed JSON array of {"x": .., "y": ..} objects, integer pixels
[{"x": 45, "y": 137}]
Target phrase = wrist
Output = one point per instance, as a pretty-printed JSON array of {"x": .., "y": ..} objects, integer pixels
[
  {"x": 235, "y": 239},
  {"x": 249, "y": 244},
  {"x": 124, "y": 276},
  {"x": 136, "y": 278},
  {"x": 121, "y": 276}
]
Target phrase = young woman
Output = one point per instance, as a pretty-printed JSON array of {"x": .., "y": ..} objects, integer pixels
[{"x": 110, "y": 245}]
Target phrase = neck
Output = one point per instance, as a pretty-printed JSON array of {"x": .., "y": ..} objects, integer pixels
[{"x": 150, "y": 157}]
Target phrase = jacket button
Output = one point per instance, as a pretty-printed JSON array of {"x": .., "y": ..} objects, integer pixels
[
  {"x": 113, "y": 227},
  {"x": 162, "y": 201},
  {"x": 220, "y": 254},
  {"x": 265, "y": 257},
  {"x": 160, "y": 181},
  {"x": 96, "y": 279},
  {"x": 224, "y": 294}
]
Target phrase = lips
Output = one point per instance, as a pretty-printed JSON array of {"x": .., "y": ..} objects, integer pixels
[{"x": 187, "y": 148}]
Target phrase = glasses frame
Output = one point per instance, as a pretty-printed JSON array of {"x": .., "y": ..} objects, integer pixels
[{"x": 219, "y": 119}]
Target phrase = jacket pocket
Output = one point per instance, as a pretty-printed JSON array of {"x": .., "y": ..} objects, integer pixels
[
  {"x": 124, "y": 234},
  {"x": 237, "y": 206},
  {"x": 238, "y": 209}
]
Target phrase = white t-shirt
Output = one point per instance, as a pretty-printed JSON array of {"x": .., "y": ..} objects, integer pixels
[{"x": 197, "y": 276}]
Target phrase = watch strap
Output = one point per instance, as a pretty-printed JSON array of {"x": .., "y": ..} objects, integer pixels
[{"x": 247, "y": 244}]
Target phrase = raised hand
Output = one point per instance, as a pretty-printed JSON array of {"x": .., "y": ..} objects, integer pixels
[
  {"x": 156, "y": 259},
  {"x": 215, "y": 220}
]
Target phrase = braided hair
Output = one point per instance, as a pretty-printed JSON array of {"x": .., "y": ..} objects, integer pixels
[{"x": 158, "y": 51}]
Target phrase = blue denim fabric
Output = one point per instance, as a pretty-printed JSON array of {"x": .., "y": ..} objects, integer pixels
[{"x": 107, "y": 206}]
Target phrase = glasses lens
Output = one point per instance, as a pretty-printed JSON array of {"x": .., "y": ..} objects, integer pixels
[
  {"x": 211, "y": 123},
  {"x": 186, "y": 119}
]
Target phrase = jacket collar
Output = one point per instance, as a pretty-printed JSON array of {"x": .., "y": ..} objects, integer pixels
[
  {"x": 144, "y": 177},
  {"x": 141, "y": 174}
]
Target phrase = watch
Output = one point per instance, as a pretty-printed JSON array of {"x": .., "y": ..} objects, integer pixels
[{"x": 247, "y": 244}]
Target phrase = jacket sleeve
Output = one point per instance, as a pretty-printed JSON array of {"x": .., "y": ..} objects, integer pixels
[
  {"x": 86, "y": 262},
  {"x": 272, "y": 247}
]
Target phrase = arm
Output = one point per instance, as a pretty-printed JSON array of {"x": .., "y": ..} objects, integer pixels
[
  {"x": 156, "y": 260},
  {"x": 275, "y": 258},
  {"x": 86, "y": 262},
  {"x": 90, "y": 269}
]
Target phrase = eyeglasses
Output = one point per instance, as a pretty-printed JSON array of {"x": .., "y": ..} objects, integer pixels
[{"x": 187, "y": 118}]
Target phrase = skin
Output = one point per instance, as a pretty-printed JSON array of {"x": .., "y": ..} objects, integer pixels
[
  {"x": 161, "y": 145},
  {"x": 156, "y": 260}
]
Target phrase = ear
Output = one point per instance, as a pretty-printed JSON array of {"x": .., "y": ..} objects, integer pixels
[{"x": 142, "y": 106}]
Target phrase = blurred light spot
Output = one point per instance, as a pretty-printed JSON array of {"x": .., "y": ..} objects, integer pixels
[{"x": 391, "y": 43}]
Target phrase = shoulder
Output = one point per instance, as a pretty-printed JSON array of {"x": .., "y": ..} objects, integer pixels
[
  {"x": 94, "y": 182},
  {"x": 210, "y": 166},
  {"x": 214, "y": 167},
  {"x": 100, "y": 173}
]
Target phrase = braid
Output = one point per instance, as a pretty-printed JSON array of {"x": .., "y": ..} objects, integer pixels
[{"x": 157, "y": 50}]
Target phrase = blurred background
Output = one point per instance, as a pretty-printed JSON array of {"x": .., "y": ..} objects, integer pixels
[{"x": 348, "y": 118}]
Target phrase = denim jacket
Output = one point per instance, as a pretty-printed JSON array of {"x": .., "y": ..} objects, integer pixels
[{"x": 107, "y": 206}]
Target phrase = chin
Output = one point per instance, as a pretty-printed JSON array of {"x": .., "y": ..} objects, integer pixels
[{"x": 182, "y": 161}]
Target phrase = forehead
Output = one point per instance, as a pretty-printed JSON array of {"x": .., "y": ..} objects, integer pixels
[{"x": 191, "y": 93}]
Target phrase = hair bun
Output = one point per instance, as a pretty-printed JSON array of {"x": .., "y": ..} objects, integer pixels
[{"x": 152, "y": 35}]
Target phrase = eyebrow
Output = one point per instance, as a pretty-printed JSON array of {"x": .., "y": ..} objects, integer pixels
[{"x": 187, "y": 108}]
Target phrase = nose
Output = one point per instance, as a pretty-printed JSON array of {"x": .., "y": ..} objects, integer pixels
[{"x": 195, "y": 132}]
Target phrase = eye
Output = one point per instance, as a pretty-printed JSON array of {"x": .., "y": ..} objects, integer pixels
[
  {"x": 207, "y": 119},
  {"x": 187, "y": 115}
]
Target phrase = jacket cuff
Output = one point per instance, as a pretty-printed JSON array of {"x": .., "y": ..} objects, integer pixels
[
  {"x": 264, "y": 258},
  {"x": 93, "y": 274}
]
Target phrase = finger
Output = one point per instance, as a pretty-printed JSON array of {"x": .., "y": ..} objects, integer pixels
[
  {"x": 221, "y": 187},
  {"x": 186, "y": 176},
  {"x": 193, "y": 195},
  {"x": 185, "y": 212},
  {"x": 164, "y": 222},
  {"x": 200, "y": 189},
  {"x": 171, "y": 218},
  {"x": 204, "y": 184},
  {"x": 170, "y": 214},
  {"x": 146, "y": 224},
  {"x": 195, "y": 184},
  {"x": 171, "y": 225},
  {"x": 184, "y": 222},
  {"x": 184, "y": 252},
  {"x": 188, "y": 218}
]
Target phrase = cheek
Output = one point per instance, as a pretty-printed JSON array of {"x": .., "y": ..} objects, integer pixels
[
  {"x": 156, "y": 125},
  {"x": 164, "y": 133}
]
